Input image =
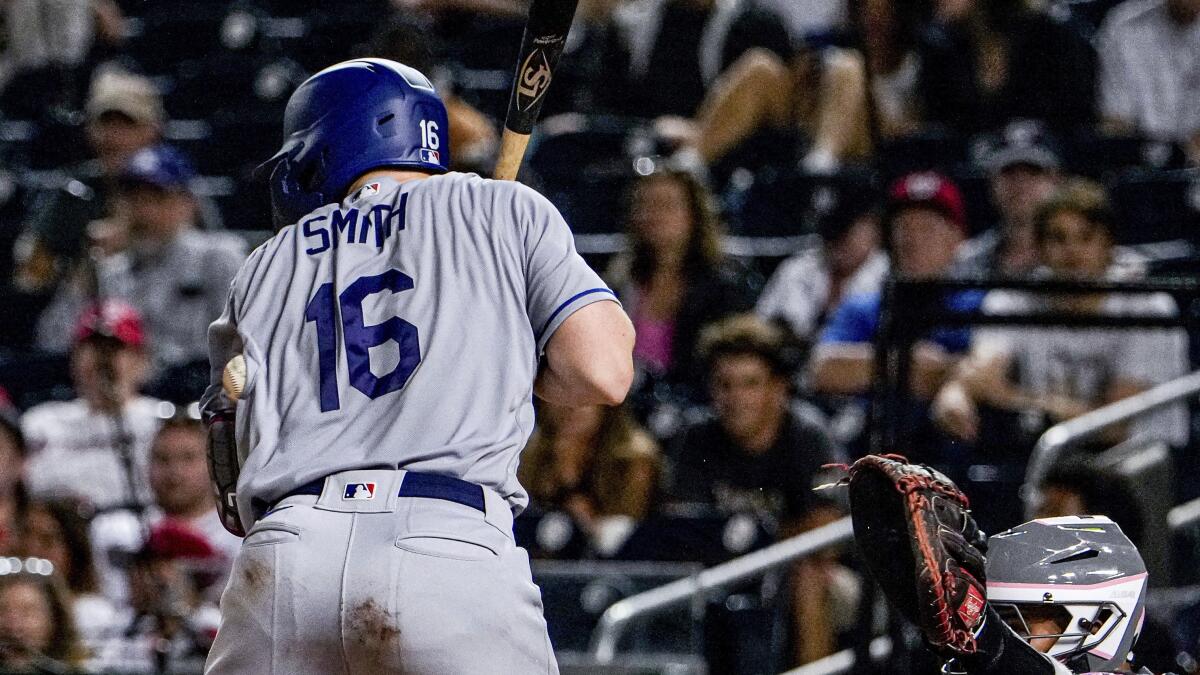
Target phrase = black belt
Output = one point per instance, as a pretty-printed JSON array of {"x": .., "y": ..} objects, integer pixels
[{"x": 428, "y": 485}]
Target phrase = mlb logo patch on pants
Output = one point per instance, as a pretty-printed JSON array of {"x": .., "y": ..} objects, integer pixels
[{"x": 359, "y": 491}]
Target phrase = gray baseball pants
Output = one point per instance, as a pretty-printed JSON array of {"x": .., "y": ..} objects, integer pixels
[{"x": 413, "y": 585}]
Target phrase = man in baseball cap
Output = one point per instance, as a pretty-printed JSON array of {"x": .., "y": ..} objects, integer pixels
[
  {"x": 174, "y": 272},
  {"x": 124, "y": 115},
  {"x": 926, "y": 221},
  {"x": 1024, "y": 170},
  {"x": 73, "y": 450}
]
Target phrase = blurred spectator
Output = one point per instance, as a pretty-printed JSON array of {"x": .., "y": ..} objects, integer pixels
[
  {"x": 13, "y": 497},
  {"x": 1054, "y": 374},
  {"x": 175, "y": 275},
  {"x": 1150, "y": 70},
  {"x": 986, "y": 62},
  {"x": 849, "y": 261},
  {"x": 57, "y": 530},
  {"x": 817, "y": 101},
  {"x": 804, "y": 18},
  {"x": 178, "y": 473},
  {"x": 592, "y": 77},
  {"x": 37, "y": 631},
  {"x": 48, "y": 44},
  {"x": 927, "y": 223},
  {"x": 1024, "y": 170},
  {"x": 762, "y": 454},
  {"x": 1073, "y": 487},
  {"x": 124, "y": 115},
  {"x": 473, "y": 138},
  {"x": 759, "y": 453},
  {"x": 171, "y": 625},
  {"x": 886, "y": 37},
  {"x": 670, "y": 70},
  {"x": 674, "y": 279},
  {"x": 594, "y": 463},
  {"x": 78, "y": 448}
]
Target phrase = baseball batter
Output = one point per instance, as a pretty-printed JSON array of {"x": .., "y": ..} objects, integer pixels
[{"x": 392, "y": 331}]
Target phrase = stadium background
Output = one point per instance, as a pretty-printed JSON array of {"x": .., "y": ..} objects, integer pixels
[{"x": 641, "y": 82}]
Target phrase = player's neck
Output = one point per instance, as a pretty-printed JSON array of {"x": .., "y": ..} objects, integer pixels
[{"x": 397, "y": 175}]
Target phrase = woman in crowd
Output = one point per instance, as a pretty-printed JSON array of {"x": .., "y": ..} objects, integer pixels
[
  {"x": 37, "y": 630},
  {"x": 595, "y": 464},
  {"x": 674, "y": 279},
  {"x": 57, "y": 530}
]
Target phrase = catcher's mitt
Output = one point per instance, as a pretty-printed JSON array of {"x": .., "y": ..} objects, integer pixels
[{"x": 917, "y": 538}]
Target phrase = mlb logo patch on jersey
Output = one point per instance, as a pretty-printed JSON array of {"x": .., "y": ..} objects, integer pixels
[
  {"x": 430, "y": 156},
  {"x": 359, "y": 491}
]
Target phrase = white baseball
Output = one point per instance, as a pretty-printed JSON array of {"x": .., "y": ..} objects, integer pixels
[{"x": 234, "y": 378}]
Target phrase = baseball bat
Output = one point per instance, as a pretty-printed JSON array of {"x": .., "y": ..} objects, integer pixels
[{"x": 541, "y": 46}]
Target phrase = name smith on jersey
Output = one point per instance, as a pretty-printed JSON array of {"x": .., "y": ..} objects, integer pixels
[{"x": 325, "y": 229}]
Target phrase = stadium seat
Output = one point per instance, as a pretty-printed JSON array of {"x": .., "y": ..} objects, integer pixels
[
  {"x": 1157, "y": 205},
  {"x": 576, "y": 593},
  {"x": 1100, "y": 157},
  {"x": 580, "y": 163}
]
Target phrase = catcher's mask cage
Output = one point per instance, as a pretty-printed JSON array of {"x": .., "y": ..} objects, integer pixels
[{"x": 1080, "y": 571}]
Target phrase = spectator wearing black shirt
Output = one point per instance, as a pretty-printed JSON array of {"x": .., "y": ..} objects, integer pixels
[
  {"x": 758, "y": 452},
  {"x": 678, "y": 47},
  {"x": 762, "y": 453},
  {"x": 987, "y": 62}
]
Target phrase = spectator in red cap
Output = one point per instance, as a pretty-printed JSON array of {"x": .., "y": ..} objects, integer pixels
[
  {"x": 171, "y": 625},
  {"x": 78, "y": 448},
  {"x": 927, "y": 223}
]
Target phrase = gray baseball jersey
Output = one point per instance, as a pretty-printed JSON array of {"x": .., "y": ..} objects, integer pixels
[{"x": 401, "y": 328}]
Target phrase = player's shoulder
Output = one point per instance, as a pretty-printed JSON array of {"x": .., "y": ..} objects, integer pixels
[{"x": 476, "y": 184}]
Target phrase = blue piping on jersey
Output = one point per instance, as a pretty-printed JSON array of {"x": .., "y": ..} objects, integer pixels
[{"x": 567, "y": 303}]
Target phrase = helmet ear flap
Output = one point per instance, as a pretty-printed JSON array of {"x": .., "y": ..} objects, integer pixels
[{"x": 289, "y": 200}]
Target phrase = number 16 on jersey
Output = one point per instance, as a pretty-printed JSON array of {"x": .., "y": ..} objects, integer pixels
[{"x": 360, "y": 338}]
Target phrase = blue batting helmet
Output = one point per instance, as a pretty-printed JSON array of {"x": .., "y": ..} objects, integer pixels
[{"x": 346, "y": 120}]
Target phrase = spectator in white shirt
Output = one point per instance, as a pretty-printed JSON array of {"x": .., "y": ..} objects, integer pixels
[
  {"x": 1054, "y": 374},
  {"x": 94, "y": 447},
  {"x": 1150, "y": 70},
  {"x": 849, "y": 260}
]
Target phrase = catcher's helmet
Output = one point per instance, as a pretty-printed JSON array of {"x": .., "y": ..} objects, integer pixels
[
  {"x": 1083, "y": 572},
  {"x": 350, "y": 118}
]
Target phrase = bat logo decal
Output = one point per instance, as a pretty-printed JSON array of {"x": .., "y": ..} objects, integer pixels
[{"x": 534, "y": 79}]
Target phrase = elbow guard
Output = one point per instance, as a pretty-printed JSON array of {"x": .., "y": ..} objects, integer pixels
[{"x": 224, "y": 467}]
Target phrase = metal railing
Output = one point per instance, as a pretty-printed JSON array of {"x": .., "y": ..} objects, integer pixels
[
  {"x": 1063, "y": 435},
  {"x": 621, "y": 614}
]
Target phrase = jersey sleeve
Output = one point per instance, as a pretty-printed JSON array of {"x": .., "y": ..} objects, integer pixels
[{"x": 557, "y": 280}]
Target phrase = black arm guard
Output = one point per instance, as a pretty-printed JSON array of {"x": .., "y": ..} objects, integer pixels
[{"x": 223, "y": 467}]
